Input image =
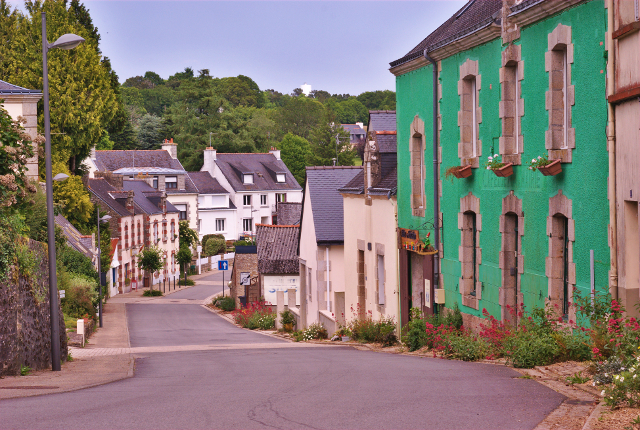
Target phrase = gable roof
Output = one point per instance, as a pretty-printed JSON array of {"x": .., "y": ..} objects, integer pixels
[
  {"x": 326, "y": 201},
  {"x": 105, "y": 192},
  {"x": 77, "y": 241},
  {"x": 277, "y": 248},
  {"x": 288, "y": 213},
  {"x": 264, "y": 168},
  {"x": 473, "y": 16},
  {"x": 152, "y": 161},
  {"x": 146, "y": 198},
  {"x": 382, "y": 120},
  {"x": 387, "y": 186},
  {"x": 7, "y": 88},
  {"x": 205, "y": 183}
]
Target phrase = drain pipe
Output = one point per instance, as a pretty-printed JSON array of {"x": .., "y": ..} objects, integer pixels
[
  {"x": 436, "y": 200},
  {"x": 611, "y": 141}
]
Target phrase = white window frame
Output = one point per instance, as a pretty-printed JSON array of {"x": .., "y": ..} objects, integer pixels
[
  {"x": 170, "y": 180},
  {"x": 220, "y": 224},
  {"x": 264, "y": 201},
  {"x": 246, "y": 200},
  {"x": 381, "y": 280},
  {"x": 244, "y": 224},
  {"x": 247, "y": 178},
  {"x": 281, "y": 177},
  {"x": 281, "y": 197}
]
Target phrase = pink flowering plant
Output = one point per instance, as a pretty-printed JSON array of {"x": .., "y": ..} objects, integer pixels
[
  {"x": 494, "y": 162},
  {"x": 541, "y": 161}
]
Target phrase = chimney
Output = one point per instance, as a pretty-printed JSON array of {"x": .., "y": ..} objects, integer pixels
[
  {"x": 170, "y": 147},
  {"x": 129, "y": 204},
  {"x": 360, "y": 124},
  {"x": 93, "y": 152},
  {"x": 163, "y": 202},
  {"x": 209, "y": 165},
  {"x": 275, "y": 152}
]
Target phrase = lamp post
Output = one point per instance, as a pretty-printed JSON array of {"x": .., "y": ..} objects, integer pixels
[
  {"x": 67, "y": 41},
  {"x": 100, "y": 221}
]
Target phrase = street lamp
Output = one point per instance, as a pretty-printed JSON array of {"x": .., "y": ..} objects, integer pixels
[
  {"x": 67, "y": 41},
  {"x": 100, "y": 221}
]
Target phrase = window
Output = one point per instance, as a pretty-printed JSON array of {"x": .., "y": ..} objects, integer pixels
[
  {"x": 155, "y": 182},
  {"x": 247, "y": 178},
  {"x": 246, "y": 200},
  {"x": 247, "y": 224},
  {"x": 281, "y": 197},
  {"x": 469, "y": 114},
  {"x": 220, "y": 224},
  {"x": 560, "y": 137},
  {"x": 417, "y": 170},
  {"x": 173, "y": 262},
  {"x": 126, "y": 236},
  {"x": 173, "y": 230},
  {"x": 381, "y": 280},
  {"x": 470, "y": 255},
  {"x": 361, "y": 288},
  {"x": 155, "y": 231},
  {"x": 139, "y": 235},
  {"x": 182, "y": 211},
  {"x": 263, "y": 200},
  {"x": 280, "y": 177},
  {"x": 171, "y": 182}
]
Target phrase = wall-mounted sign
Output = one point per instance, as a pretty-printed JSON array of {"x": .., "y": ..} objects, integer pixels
[
  {"x": 409, "y": 239},
  {"x": 245, "y": 278}
]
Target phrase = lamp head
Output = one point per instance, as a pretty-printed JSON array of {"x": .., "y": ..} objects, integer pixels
[
  {"x": 67, "y": 41},
  {"x": 60, "y": 177},
  {"x": 105, "y": 218}
]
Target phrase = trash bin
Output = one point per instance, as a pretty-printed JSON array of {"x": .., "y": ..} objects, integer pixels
[{"x": 243, "y": 301}]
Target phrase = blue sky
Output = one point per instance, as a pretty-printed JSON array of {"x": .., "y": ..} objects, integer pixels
[{"x": 337, "y": 46}]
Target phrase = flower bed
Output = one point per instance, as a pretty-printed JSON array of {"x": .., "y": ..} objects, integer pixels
[{"x": 255, "y": 315}]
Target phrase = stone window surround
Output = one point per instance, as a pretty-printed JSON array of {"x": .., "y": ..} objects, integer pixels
[
  {"x": 417, "y": 168},
  {"x": 560, "y": 205},
  {"x": 470, "y": 203},
  {"x": 511, "y": 59},
  {"x": 379, "y": 247},
  {"x": 559, "y": 42},
  {"x": 510, "y": 204},
  {"x": 468, "y": 73}
]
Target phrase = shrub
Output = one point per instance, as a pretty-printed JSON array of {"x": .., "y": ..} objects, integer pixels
[
  {"x": 462, "y": 345},
  {"x": 214, "y": 246},
  {"x": 624, "y": 388},
  {"x": 149, "y": 293},
  {"x": 255, "y": 316},
  {"x": 225, "y": 303},
  {"x": 286, "y": 318},
  {"x": 314, "y": 331},
  {"x": 189, "y": 282},
  {"x": 81, "y": 297},
  {"x": 528, "y": 349},
  {"x": 606, "y": 370}
]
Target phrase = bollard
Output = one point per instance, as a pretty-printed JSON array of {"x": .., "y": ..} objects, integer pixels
[{"x": 80, "y": 329}]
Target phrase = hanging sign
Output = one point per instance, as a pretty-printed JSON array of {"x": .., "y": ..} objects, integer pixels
[{"x": 409, "y": 239}]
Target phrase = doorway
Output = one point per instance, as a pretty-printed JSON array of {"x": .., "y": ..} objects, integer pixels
[{"x": 510, "y": 247}]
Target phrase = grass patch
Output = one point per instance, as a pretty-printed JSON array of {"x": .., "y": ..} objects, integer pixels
[{"x": 152, "y": 293}]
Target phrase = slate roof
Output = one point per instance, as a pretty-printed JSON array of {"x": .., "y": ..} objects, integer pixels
[
  {"x": 206, "y": 184},
  {"x": 145, "y": 197},
  {"x": 388, "y": 143},
  {"x": 288, "y": 213},
  {"x": 7, "y": 88},
  {"x": 387, "y": 186},
  {"x": 74, "y": 238},
  {"x": 278, "y": 248},
  {"x": 326, "y": 201},
  {"x": 382, "y": 120},
  {"x": 264, "y": 168},
  {"x": 473, "y": 16},
  {"x": 102, "y": 190},
  {"x": 143, "y": 161}
]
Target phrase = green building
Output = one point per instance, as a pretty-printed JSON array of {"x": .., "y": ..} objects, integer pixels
[{"x": 519, "y": 80}]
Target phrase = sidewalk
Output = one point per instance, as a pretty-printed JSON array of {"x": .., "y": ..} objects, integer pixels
[{"x": 82, "y": 372}]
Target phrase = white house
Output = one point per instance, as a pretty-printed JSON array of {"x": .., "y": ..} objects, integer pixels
[
  {"x": 256, "y": 183},
  {"x": 216, "y": 212}
]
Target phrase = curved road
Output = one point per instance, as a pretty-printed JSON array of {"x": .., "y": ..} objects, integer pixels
[{"x": 265, "y": 385}]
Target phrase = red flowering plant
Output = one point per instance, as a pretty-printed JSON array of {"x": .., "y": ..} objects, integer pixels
[{"x": 256, "y": 315}]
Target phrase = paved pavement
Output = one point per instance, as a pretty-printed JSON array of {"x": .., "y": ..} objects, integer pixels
[{"x": 194, "y": 369}]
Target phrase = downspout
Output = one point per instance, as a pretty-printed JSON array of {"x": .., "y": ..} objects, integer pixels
[
  {"x": 328, "y": 277},
  {"x": 436, "y": 200},
  {"x": 611, "y": 144}
]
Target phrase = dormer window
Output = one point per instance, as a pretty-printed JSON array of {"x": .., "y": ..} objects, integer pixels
[
  {"x": 247, "y": 178},
  {"x": 280, "y": 177},
  {"x": 155, "y": 182},
  {"x": 171, "y": 182}
]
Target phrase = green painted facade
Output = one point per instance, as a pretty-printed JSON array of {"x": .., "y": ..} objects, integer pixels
[{"x": 584, "y": 180}]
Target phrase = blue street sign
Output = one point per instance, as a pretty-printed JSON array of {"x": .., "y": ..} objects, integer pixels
[{"x": 223, "y": 265}]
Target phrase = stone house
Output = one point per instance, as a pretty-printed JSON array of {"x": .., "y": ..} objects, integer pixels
[
  {"x": 278, "y": 267},
  {"x": 256, "y": 184},
  {"x": 520, "y": 80},
  {"x": 370, "y": 241},
  {"x": 141, "y": 216},
  {"x": 321, "y": 246},
  {"x": 22, "y": 102},
  {"x": 159, "y": 168}
]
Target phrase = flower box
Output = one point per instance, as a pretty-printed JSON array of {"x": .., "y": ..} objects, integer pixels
[
  {"x": 504, "y": 171},
  {"x": 552, "y": 168},
  {"x": 463, "y": 172}
]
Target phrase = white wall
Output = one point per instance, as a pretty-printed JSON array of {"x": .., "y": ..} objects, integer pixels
[
  {"x": 208, "y": 222},
  {"x": 308, "y": 252},
  {"x": 273, "y": 283}
]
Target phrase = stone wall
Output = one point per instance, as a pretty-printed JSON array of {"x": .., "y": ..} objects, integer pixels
[{"x": 25, "y": 333}]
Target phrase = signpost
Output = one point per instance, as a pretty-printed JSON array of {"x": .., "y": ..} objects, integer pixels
[{"x": 223, "y": 266}]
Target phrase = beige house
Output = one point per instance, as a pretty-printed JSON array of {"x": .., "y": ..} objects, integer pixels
[
  {"x": 370, "y": 239},
  {"x": 22, "y": 102},
  {"x": 322, "y": 269}
]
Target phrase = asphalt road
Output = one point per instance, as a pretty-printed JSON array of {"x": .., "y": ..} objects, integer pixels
[
  {"x": 274, "y": 387},
  {"x": 212, "y": 285}
]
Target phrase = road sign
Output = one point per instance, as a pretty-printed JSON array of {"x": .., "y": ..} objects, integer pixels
[{"x": 223, "y": 265}]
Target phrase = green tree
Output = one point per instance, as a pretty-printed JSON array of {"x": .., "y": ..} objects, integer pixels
[
  {"x": 105, "y": 142},
  {"x": 183, "y": 256},
  {"x": 328, "y": 140},
  {"x": 71, "y": 196},
  {"x": 148, "y": 132},
  {"x": 150, "y": 260},
  {"x": 349, "y": 111},
  {"x": 378, "y": 100},
  {"x": 154, "y": 78},
  {"x": 82, "y": 101},
  {"x": 187, "y": 236},
  {"x": 296, "y": 154},
  {"x": 299, "y": 116}
]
